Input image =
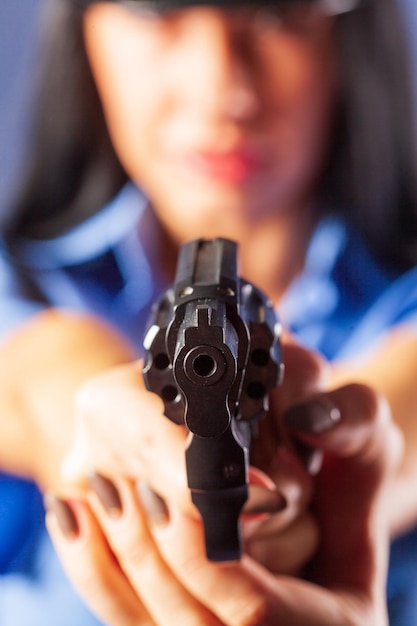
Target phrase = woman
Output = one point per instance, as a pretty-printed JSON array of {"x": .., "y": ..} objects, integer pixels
[{"x": 285, "y": 128}]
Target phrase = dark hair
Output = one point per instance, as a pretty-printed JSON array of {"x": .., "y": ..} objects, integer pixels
[
  {"x": 370, "y": 175},
  {"x": 372, "y": 171},
  {"x": 73, "y": 169}
]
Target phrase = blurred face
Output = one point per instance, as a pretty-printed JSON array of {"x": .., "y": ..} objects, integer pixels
[{"x": 222, "y": 116}]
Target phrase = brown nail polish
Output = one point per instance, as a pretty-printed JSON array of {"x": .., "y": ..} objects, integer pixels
[
  {"x": 107, "y": 493},
  {"x": 313, "y": 417},
  {"x": 64, "y": 514},
  {"x": 311, "y": 458},
  {"x": 153, "y": 505},
  {"x": 263, "y": 500}
]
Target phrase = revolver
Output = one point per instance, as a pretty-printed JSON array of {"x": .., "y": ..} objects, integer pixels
[{"x": 213, "y": 354}]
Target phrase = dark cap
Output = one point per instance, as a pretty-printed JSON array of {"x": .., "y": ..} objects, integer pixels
[{"x": 331, "y": 7}]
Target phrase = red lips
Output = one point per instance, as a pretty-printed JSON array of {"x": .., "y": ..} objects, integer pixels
[{"x": 235, "y": 166}]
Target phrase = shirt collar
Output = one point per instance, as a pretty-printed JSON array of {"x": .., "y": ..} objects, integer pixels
[
  {"x": 313, "y": 292},
  {"x": 90, "y": 238}
]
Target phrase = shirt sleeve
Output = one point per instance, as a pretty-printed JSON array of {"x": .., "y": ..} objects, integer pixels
[{"x": 396, "y": 306}]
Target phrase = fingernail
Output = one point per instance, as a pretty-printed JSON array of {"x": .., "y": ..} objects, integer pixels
[
  {"x": 64, "y": 514},
  {"x": 263, "y": 500},
  {"x": 311, "y": 458},
  {"x": 107, "y": 494},
  {"x": 153, "y": 505},
  {"x": 314, "y": 417}
]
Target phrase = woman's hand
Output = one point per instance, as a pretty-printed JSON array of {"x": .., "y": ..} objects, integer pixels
[
  {"x": 121, "y": 431},
  {"x": 120, "y": 427},
  {"x": 141, "y": 562}
]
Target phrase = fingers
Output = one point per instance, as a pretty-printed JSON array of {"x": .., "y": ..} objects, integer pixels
[
  {"x": 127, "y": 533},
  {"x": 283, "y": 537},
  {"x": 121, "y": 430},
  {"x": 277, "y": 531},
  {"x": 352, "y": 427},
  {"x": 361, "y": 445},
  {"x": 175, "y": 573},
  {"x": 157, "y": 563},
  {"x": 282, "y": 551},
  {"x": 91, "y": 566},
  {"x": 164, "y": 558},
  {"x": 226, "y": 590},
  {"x": 244, "y": 593},
  {"x": 121, "y": 426},
  {"x": 352, "y": 422},
  {"x": 306, "y": 373},
  {"x": 101, "y": 562}
]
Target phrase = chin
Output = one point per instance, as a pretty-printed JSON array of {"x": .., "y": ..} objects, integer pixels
[
  {"x": 219, "y": 218},
  {"x": 208, "y": 211}
]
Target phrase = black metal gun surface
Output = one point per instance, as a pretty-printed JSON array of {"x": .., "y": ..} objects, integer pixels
[{"x": 213, "y": 354}]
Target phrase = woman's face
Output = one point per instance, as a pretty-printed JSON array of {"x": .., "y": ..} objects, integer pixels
[{"x": 222, "y": 116}]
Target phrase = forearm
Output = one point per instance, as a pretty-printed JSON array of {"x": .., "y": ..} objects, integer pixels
[
  {"x": 41, "y": 366},
  {"x": 392, "y": 369}
]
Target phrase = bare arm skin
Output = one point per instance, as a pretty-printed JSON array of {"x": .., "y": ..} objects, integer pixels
[
  {"x": 41, "y": 366},
  {"x": 392, "y": 369}
]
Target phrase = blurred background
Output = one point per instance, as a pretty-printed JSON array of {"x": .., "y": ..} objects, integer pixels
[
  {"x": 19, "y": 41},
  {"x": 20, "y": 23}
]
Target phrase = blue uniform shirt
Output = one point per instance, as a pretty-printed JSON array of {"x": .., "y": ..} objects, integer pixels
[{"x": 340, "y": 304}]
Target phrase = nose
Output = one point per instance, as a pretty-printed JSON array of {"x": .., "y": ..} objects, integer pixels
[{"x": 217, "y": 63}]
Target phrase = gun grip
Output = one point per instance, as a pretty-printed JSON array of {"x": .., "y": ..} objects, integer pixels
[{"x": 220, "y": 512}]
